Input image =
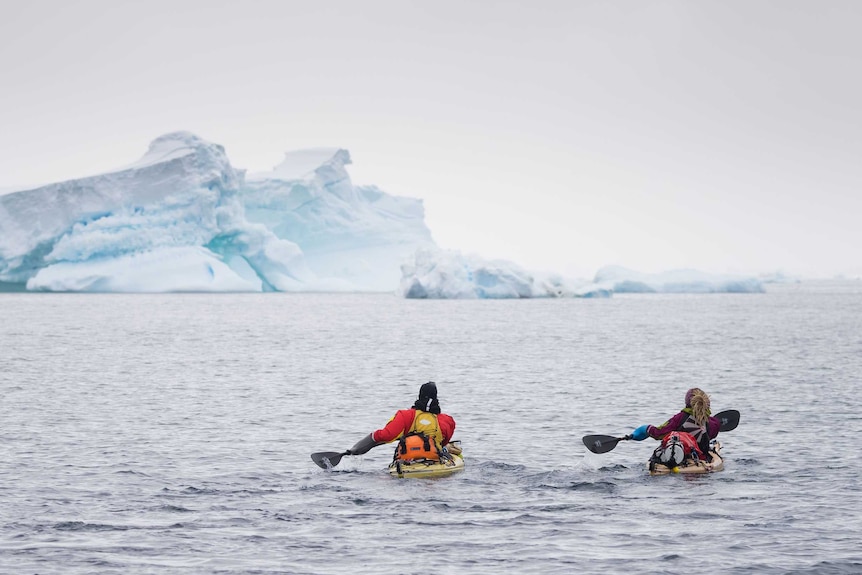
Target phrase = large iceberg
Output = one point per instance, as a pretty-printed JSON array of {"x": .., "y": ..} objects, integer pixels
[{"x": 183, "y": 219}]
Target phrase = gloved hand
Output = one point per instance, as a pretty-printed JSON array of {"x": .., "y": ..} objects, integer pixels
[
  {"x": 364, "y": 445},
  {"x": 640, "y": 433}
]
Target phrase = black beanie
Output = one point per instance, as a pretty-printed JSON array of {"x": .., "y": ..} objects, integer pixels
[
  {"x": 427, "y": 398},
  {"x": 428, "y": 390}
]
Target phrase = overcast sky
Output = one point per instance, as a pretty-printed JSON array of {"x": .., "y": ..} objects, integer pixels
[{"x": 566, "y": 135}]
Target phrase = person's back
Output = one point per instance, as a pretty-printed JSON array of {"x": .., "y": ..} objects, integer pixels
[
  {"x": 424, "y": 418},
  {"x": 694, "y": 419}
]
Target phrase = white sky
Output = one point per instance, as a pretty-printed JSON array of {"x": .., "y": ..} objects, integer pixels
[{"x": 563, "y": 135}]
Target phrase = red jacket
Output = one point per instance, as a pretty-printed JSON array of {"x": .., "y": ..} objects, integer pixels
[{"x": 402, "y": 421}]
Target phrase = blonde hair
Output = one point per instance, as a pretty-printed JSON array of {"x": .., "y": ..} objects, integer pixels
[{"x": 699, "y": 406}]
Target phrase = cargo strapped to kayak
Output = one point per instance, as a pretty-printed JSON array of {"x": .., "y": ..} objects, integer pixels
[{"x": 417, "y": 446}]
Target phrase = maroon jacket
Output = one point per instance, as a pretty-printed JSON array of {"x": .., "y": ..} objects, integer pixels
[{"x": 675, "y": 424}]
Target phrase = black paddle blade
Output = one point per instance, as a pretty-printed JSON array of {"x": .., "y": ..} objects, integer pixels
[
  {"x": 601, "y": 443},
  {"x": 729, "y": 419},
  {"x": 327, "y": 459}
]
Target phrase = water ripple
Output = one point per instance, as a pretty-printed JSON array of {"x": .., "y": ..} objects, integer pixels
[{"x": 171, "y": 434}]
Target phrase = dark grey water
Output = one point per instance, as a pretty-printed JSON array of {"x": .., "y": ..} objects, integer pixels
[{"x": 172, "y": 433}]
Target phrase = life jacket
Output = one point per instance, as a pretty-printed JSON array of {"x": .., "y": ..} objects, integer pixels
[
  {"x": 422, "y": 440},
  {"x": 675, "y": 448},
  {"x": 690, "y": 426},
  {"x": 699, "y": 432}
]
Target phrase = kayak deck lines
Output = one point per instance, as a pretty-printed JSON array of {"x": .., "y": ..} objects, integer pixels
[
  {"x": 426, "y": 468},
  {"x": 691, "y": 466}
]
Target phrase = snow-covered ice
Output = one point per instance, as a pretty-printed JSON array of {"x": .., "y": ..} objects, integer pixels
[
  {"x": 449, "y": 274},
  {"x": 183, "y": 219},
  {"x": 357, "y": 234}
]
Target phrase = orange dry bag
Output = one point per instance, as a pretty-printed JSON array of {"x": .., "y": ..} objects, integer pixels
[{"x": 415, "y": 446}]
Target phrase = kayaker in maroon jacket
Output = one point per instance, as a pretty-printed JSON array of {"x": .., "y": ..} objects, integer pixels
[
  {"x": 694, "y": 418},
  {"x": 424, "y": 417}
]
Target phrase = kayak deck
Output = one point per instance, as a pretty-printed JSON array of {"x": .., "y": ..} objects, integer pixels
[
  {"x": 689, "y": 466},
  {"x": 423, "y": 468}
]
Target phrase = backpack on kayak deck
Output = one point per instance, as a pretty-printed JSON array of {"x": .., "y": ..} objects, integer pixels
[
  {"x": 674, "y": 449},
  {"x": 417, "y": 446}
]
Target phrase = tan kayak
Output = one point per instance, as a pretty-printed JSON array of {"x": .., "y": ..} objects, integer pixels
[
  {"x": 690, "y": 466},
  {"x": 453, "y": 462},
  {"x": 440, "y": 468}
]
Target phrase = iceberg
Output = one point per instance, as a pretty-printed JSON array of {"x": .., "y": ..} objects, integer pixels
[
  {"x": 358, "y": 234},
  {"x": 778, "y": 277},
  {"x": 623, "y": 280},
  {"x": 183, "y": 219},
  {"x": 449, "y": 274}
]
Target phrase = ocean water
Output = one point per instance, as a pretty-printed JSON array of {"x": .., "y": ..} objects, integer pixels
[{"x": 172, "y": 433}]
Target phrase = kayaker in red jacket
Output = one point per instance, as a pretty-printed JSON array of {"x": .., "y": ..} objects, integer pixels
[
  {"x": 694, "y": 419},
  {"x": 424, "y": 416}
]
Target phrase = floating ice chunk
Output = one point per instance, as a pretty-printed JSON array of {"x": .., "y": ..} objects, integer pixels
[
  {"x": 446, "y": 274},
  {"x": 623, "y": 280}
]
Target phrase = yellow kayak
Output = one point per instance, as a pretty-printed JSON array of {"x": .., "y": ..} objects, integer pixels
[
  {"x": 690, "y": 466},
  {"x": 452, "y": 461},
  {"x": 424, "y": 468}
]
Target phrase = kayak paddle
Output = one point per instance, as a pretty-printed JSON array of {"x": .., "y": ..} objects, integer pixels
[
  {"x": 328, "y": 459},
  {"x": 603, "y": 443}
]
